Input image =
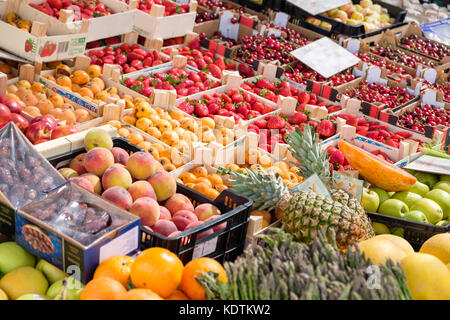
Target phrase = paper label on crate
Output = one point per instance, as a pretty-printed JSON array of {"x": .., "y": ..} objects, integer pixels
[
  {"x": 122, "y": 245},
  {"x": 325, "y": 57},
  {"x": 359, "y": 73},
  {"x": 352, "y": 186},
  {"x": 429, "y": 97},
  {"x": 353, "y": 45},
  {"x": 318, "y": 6},
  {"x": 182, "y": 1},
  {"x": 205, "y": 248},
  {"x": 430, "y": 75},
  {"x": 228, "y": 29},
  {"x": 374, "y": 76},
  {"x": 313, "y": 184},
  {"x": 275, "y": 32},
  {"x": 430, "y": 164},
  {"x": 281, "y": 19}
]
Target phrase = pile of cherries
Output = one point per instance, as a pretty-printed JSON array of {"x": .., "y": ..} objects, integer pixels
[
  {"x": 425, "y": 46},
  {"x": 418, "y": 118},
  {"x": 258, "y": 47},
  {"x": 399, "y": 56}
]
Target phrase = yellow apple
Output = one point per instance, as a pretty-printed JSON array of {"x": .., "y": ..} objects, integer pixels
[
  {"x": 365, "y": 3},
  {"x": 332, "y": 13},
  {"x": 357, "y": 16},
  {"x": 341, "y": 15}
]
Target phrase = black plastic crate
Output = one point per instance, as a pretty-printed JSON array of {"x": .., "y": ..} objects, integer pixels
[
  {"x": 339, "y": 28},
  {"x": 416, "y": 233},
  {"x": 117, "y": 142},
  {"x": 223, "y": 245}
]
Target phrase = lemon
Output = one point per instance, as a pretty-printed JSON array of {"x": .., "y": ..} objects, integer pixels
[{"x": 438, "y": 246}]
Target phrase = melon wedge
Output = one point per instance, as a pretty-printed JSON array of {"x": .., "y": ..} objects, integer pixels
[{"x": 378, "y": 172}]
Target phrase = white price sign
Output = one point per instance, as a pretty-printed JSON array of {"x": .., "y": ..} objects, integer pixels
[
  {"x": 318, "y": 6},
  {"x": 314, "y": 184},
  {"x": 228, "y": 29},
  {"x": 325, "y": 57},
  {"x": 281, "y": 19}
]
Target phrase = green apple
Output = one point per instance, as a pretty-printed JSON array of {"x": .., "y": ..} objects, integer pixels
[
  {"x": 399, "y": 232},
  {"x": 32, "y": 296},
  {"x": 444, "y": 185},
  {"x": 370, "y": 201},
  {"x": 390, "y": 194},
  {"x": 428, "y": 178},
  {"x": 51, "y": 272},
  {"x": 74, "y": 289},
  {"x": 419, "y": 188},
  {"x": 97, "y": 137},
  {"x": 431, "y": 209},
  {"x": 382, "y": 194},
  {"x": 442, "y": 198},
  {"x": 393, "y": 207},
  {"x": 407, "y": 197},
  {"x": 443, "y": 223},
  {"x": 416, "y": 216},
  {"x": 13, "y": 256},
  {"x": 444, "y": 177},
  {"x": 380, "y": 228}
]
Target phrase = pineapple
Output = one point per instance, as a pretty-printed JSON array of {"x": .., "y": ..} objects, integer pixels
[{"x": 304, "y": 213}]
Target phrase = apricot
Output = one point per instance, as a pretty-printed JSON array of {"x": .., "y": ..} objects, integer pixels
[
  {"x": 32, "y": 111},
  {"x": 44, "y": 106}
]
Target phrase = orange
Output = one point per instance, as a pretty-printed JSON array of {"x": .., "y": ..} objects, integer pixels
[
  {"x": 188, "y": 177},
  {"x": 135, "y": 138},
  {"x": 215, "y": 179},
  {"x": 64, "y": 81},
  {"x": 103, "y": 289},
  {"x": 190, "y": 285},
  {"x": 177, "y": 295},
  {"x": 200, "y": 171},
  {"x": 190, "y": 185},
  {"x": 80, "y": 77},
  {"x": 201, "y": 187},
  {"x": 220, "y": 187},
  {"x": 94, "y": 71},
  {"x": 204, "y": 180},
  {"x": 99, "y": 82},
  {"x": 86, "y": 92},
  {"x": 157, "y": 269},
  {"x": 212, "y": 193},
  {"x": 117, "y": 268},
  {"x": 141, "y": 294}
]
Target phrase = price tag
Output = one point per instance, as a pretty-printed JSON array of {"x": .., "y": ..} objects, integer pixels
[
  {"x": 318, "y": 6},
  {"x": 275, "y": 32},
  {"x": 353, "y": 45},
  {"x": 352, "y": 186},
  {"x": 429, "y": 97},
  {"x": 182, "y": 1},
  {"x": 325, "y": 57},
  {"x": 430, "y": 164},
  {"x": 205, "y": 248},
  {"x": 313, "y": 184},
  {"x": 228, "y": 29},
  {"x": 281, "y": 19}
]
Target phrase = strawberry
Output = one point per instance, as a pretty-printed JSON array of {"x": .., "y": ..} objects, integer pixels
[
  {"x": 213, "y": 108},
  {"x": 258, "y": 106},
  {"x": 245, "y": 70},
  {"x": 230, "y": 64},
  {"x": 220, "y": 63},
  {"x": 201, "y": 110},
  {"x": 337, "y": 157},
  {"x": 346, "y": 116},
  {"x": 372, "y": 134},
  {"x": 297, "y": 118},
  {"x": 384, "y": 133},
  {"x": 404, "y": 134},
  {"x": 377, "y": 127},
  {"x": 332, "y": 109},
  {"x": 194, "y": 44},
  {"x": 313, "y": 123},
  {"x": 253, "y": 128},
  {"x": 186, "y": 107},
  {"x": 242, "y": 109},
  {"x": 392, "y": 143},
  {"x": 331, "y": 149},
  {"x": 285, "y": 89},
  {"x": 303, "y": 97},
  {"x": 276, "y": 122},
  {"x": 265, "y": 84},
  {"x": 361, "y": 121},
  {"x": 326, "y": 128},
  {"x": 261, "y": 123},
  {"x": 215, "y": 71},
  {"x": 267, "y": 109},
  {"x": 352, "y": 122}
]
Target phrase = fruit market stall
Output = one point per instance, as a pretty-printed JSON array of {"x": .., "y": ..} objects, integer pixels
[{"x": 215, "y": 150}]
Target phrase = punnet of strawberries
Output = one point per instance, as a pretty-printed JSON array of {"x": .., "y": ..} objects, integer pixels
[
  {"x": 382, "y": 63},
  {"x": 397, "y": 55},
  {"x": 425, "y": 46},
  {"x": 273, "y": 127},
  {"x": 258, "y": 47},
  {"x": 239, "y": 104},
  {"x": 171, "y": 8},
  {"x": 130, "y": 58},
  {"x": 301, "y": 72},
  {"x": 184, "y": 82},
  {"x": 428, "y": 115},
  {"x": 82, "y": 9},
  {"x": 271, "y": 90},
  {"x": 374, "y": 92}
]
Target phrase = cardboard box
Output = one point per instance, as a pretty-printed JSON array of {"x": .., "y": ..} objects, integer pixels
[
  {"x": 82, "y": 256},
  {"x": 119, "y": 23},
  {"x": 36, "y": 45}
]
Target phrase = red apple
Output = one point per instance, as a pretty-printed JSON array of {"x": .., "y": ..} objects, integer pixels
[
  {"x": 20, "y": 121},
  {"x": 48, "y": 119},
  {"x": 13, "y": 105},
  {"x": 62, "y": 131},
  {"x": 5, "y": 114},
  {"x": 38, "y": 131}
]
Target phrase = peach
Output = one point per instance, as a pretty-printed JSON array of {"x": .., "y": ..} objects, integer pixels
[
  {"x": 119, "y": 196},
  {"x": 164, "y": 227},
  {"x": 179, "y": 202},
  {"x": 97, "y": 160},
  {"x": 120, "y": 155},
  {"x": 205, "y": 211},
  {"x": 95, "y": 181},
  {"x": 147, "y": 209},
  {"x": 218, "y": 227},
  {"x": 183, "y": 218},
  {"x": 68, "y": 173},
  {"x": 205, "y": 233},
  {"x": 164, "y": 213},
  {"x": 141, "y": 189},
  {"x": 142, "y": 165},
  {"x": 84, "y": 183},
  {"x": 164, "y": 185},
  {"x": 77, "y": 164},
  {"x": 116, "y": 176}
]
